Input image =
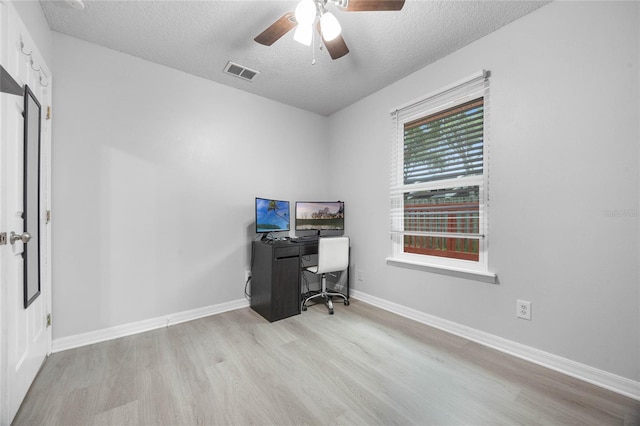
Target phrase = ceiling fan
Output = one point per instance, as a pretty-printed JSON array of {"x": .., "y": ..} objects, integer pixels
[{"x": 310, "y": 12}]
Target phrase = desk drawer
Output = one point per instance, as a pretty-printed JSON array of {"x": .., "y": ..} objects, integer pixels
[{"x": 281, "y": 252}]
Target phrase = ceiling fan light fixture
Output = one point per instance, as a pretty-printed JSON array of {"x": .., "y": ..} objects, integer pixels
[
  {"x": 305, "y": 12},
  {"x": 303, "y": 34},
  {"x": 330, "y": 26},
  {"x": 308, "y": 13}
]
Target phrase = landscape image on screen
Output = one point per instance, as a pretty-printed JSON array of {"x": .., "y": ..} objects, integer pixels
[
  {"x": 319, "y": 215},
  {"x": 272, "y": 215}
]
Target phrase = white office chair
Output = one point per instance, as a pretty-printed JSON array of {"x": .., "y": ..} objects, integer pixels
[{"x": 333, "y": 256}]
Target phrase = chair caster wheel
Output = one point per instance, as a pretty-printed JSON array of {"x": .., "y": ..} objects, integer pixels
[
  {"x": 304, "y": 308},
  {"x": 346, "y": 302},
  {"x": 330, "y": 311}
]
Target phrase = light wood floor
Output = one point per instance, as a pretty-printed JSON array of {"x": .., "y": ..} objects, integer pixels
[{"x": 362, "y": 365}]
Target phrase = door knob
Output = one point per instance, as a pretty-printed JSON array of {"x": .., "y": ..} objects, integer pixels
[{"x": 24, "y": 237}]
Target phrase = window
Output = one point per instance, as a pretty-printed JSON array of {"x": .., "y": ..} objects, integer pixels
[{"x": 439, "y": 178}]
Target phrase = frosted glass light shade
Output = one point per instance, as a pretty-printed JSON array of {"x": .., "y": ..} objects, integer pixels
[
  {"x": 305, "y": 12},
  {"x": 303, "y": 34},
  {"x": 329, "y": 26}
]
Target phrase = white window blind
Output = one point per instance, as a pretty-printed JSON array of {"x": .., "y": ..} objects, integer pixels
[{"x": 438, "y": 174}]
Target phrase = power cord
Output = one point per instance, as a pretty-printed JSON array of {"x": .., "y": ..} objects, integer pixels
[
  {"x": 246, "y": 294},
  {"x": 246, "y": 284}
]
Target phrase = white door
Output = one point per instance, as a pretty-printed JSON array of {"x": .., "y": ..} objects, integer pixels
[{"x": 25, "y": 337}]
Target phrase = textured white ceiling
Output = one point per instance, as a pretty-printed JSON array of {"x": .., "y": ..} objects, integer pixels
[{"x": 200, "y": 37}]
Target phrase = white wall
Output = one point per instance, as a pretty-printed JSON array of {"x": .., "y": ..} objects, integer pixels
[
  {"x": 154, "y": 178},
  {"x": 564, "y": 156},
  {"x": 32, "y": 15}
]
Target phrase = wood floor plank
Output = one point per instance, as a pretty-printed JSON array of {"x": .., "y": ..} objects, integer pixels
[{"x": 361, "y": 366}]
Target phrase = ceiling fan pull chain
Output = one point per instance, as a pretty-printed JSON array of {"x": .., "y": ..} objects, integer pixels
[{"x": 313, "y": 49}]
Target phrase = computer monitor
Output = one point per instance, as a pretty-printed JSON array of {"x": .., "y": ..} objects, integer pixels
[
  {"x": 319, "y": 216},
  {"x": 271, "y": 215}
]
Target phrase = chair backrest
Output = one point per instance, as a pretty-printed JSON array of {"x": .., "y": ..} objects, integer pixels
[{"x": 333, "y": 254}]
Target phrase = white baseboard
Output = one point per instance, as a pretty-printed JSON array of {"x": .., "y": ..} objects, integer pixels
[
  {"x": 566, "y": 366},
  {"x": 110, "y": 333}
]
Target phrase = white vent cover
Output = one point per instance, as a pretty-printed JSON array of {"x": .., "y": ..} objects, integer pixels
[{"x": 240, "y": 71}]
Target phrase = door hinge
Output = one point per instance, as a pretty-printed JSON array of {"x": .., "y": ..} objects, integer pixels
[
  {"x": 48, "y": 216},
  {"x": 48, "y": 320},
  {"x": 3, "y": 238}
]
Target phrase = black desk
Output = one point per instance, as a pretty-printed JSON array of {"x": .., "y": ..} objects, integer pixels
[{"x": 275, "y": 277}]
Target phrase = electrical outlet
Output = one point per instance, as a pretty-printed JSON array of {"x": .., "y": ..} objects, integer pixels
[
  {"x": 523, "y": 309},
  {"x": 360, "y": 275}
]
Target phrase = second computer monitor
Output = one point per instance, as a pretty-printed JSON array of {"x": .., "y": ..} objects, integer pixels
[{"x": 319, "y": 216}]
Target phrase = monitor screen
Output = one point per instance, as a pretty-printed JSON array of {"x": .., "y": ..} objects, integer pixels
[
  {"x": 319, "y": 215},
  {"x": 271, "y": 215}
]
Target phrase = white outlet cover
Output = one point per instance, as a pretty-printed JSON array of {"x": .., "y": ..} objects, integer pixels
[{"x": 523, "y": 309}]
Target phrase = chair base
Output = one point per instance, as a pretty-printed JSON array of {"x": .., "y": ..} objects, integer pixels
[
  {"x": 327, "y": 298},
  {"x": 326, "y": 295}
]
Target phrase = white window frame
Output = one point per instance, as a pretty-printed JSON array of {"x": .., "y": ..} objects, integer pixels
[{"x": 465, "y": 90}]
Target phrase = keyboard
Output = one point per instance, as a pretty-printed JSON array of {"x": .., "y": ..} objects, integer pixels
[{"x": 306, "y": 238}]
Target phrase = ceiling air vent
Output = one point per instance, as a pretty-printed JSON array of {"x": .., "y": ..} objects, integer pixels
[{"x": 240, "y": 71}]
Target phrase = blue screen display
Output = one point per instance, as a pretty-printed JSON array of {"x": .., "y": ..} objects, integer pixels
[{"x": 271, "y": 215}]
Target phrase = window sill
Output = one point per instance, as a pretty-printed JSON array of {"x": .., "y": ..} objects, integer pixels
[{"x": 487, "y": 277}]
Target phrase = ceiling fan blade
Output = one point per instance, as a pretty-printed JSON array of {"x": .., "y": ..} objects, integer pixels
[
  {"x": 277, "y": 29},
  {"x": 374, "y": 5},
  {"x": 337, "y": 48}
]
